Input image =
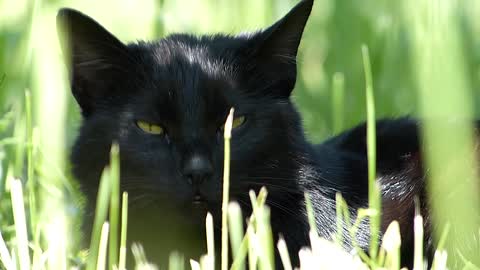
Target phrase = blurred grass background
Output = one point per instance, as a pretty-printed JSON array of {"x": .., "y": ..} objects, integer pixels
[
  {"x": 331, "y": 44},
  {"x": 425, "y": 58}
]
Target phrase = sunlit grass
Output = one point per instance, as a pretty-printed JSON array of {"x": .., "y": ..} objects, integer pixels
[
  {"x": 37, "y": 124},
  {"x": 447, "y": 129},
  {"x": 374, "y": 198}
]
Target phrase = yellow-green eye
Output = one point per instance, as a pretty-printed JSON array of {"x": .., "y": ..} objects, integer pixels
[
  {"x": 237, "y": 121},
  {"x": 150, "y": 128}
]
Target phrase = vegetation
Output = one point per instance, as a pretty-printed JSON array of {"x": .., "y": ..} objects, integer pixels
[{"x": 419, "y": 58}]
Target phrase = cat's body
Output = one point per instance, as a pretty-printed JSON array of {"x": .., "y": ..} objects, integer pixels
[{"x": 165, "y": 102}]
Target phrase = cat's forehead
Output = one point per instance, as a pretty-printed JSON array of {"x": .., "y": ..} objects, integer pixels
[
  {"x": 212, "y": 55},
  {"x": 189, "y": 78}
]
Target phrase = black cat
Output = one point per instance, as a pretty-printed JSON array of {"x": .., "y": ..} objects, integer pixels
[{"x": 165, "y": 102}]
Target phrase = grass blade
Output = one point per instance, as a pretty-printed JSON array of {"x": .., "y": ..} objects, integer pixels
[
  {"x": 100, "y": 217},
  {"x": 235, "y": 230},
  {"x": 195, "y": 265},
  {"x": 252, "y": 254},
  {"x": 114, "y": 205},
  {"x": 418, "y": 242},
  {"x": 284, "y": 256},
  {"x": 123, "y": 233},
  {"x": 373, "y": 189},
  {"x": 5, "y": 257},
  {"x": 210, "y": 243},
  {"x": 226, "y": 187},
  {"x": 391, "y": 244},
  {"x": 30, "y": 178},
  {"x": 20, "y": 224},
  {"x": 176, "y": 261},
  {"x": 265, "y": 239},
  {"x": 102, "y": 249}
]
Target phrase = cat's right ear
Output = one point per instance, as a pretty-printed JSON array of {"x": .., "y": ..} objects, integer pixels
[
  {"x": 273, "y": 51},
  {"x": 94, "y": 56}
]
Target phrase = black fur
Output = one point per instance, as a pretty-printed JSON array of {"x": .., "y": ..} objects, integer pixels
[{"x": 187, "y": 84}]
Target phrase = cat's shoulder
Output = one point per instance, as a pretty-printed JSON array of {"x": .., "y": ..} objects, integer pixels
[{"x": 395, "y": 138}]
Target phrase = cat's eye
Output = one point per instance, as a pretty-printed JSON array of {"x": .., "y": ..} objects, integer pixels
[
  {"x": 237, "y": 121},
  {"x": 150, "y": 128}
]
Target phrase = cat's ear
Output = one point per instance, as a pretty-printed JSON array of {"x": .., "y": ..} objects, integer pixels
[
  {"x": 275, "y": 49},
  {"x": 94, "y": 56}
]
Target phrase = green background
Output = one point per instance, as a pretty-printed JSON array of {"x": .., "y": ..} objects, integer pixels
[
  {"x": 425, "y": 60},
  {"x": 331, "y": 44}
]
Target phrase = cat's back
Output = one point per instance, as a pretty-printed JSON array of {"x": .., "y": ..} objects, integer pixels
[{"x": 399, "y": 171}]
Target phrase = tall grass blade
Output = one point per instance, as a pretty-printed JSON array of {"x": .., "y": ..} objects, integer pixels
[
  {"x": 102, "y": 249},
  {"x": 446, "y": 107},
  {"x": 30, "y": 178},
  {"x": 101, "y": 213},
  {"x": 284, "y": 256},
  {"x": 391, "y": 244},
  {"x": 235, "y": 221},
  {"x": 195, "y": 265},
  {"x": 226, "y": 188},
  {"x": 5, "y": 257},
  {"x": 418, "y": 242},
  {"x": 252, "y": 252},
  {"x": 210, "y": 258},
  {"x": 246, "y": 245},
  {"x": 373, "y": 189},
  {"x": 20, "y": 224},
  {"x": 114, "y": 205},
  {"x": 265, "y": 238},
  {"x": 176, "y": 262},
  {"x": 123, "y": 233}
]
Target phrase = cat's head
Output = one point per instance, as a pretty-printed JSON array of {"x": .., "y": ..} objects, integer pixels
[{"x": 165, "y": 103}]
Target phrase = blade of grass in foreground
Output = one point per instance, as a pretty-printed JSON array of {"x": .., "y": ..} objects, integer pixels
[
  {"x": 114, "y": 205},
  {"x": 265, "y": 238},
  {"x": 245, "y": 246},
  {"x": 102, "y": 250},
  {"x": 176, "y": 261},
  {"x": 373, "y": 189},
  {"x": 5, "y": 257},
  {"x": 20, "y": 224},
  {"x": 418, "y": 241},
  {"x": 30, "y": 179},
  {"x": 391, "y": 245},
  {"x": 284, "y": 256},
  {"x": 440, "y": 66},
  {"x": 235, "y": 222},
  {"x": 210, "y": 243},
  {"x": 100, "y": 216},
  {"x": 123, "y": 233},
  {"x": 226, "y": 187},
  {"x": 141, "y": 262}
]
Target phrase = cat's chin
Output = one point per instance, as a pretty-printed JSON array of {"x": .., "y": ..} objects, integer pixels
[{"x": 198, "y": 210}]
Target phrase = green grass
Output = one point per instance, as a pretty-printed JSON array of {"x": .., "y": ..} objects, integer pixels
[{"x": 423, "y": 58}]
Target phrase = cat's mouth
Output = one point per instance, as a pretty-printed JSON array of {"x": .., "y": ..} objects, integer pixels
[
  {"x": 199, "y": 207},
  {"x": 199, "y": 200}
]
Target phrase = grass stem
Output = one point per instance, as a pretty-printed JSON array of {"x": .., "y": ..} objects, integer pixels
[{"x": 226, "y": 187}]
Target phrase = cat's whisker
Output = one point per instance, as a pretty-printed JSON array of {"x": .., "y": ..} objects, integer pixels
[
  {"x": 272, "y": 187},
  {"x": 141, "y": 201}
]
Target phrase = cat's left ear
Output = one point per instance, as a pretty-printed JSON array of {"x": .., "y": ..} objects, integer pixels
[
  {"x": 96, "y": 58},
  {"x": 274, "y": 50}
]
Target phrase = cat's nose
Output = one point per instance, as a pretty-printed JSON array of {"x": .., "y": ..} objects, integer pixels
[{"x": 197, "y": 169}]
